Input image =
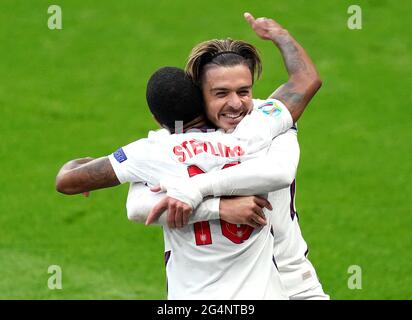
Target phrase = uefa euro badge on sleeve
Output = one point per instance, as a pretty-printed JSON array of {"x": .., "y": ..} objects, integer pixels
[{"x": 270, "y": 108}]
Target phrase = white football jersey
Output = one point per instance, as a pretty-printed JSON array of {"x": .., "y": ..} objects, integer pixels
[
  {"x": 290, "y": 248},
  {"x": 211, "y": 259},
  {"x": 218, "y": 260}
]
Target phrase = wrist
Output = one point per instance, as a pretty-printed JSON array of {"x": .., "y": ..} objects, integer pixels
[
  {"x": 279, "y": 36},
  {"x": 202, "y": 183},
  {"x": 222, "y": 209},
  {"x": 214, "y": 208},
  {"x": 184, "y": 192},
  {"x": 208, "y": 210}
]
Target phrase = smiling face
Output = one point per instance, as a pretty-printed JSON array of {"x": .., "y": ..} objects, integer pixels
[{"x": 227, "y": 92}]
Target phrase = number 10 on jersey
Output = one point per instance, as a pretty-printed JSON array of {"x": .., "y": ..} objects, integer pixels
[{"x": 235, "y": 233}]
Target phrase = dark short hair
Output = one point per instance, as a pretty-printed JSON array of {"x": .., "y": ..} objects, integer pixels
[{"x": 172, "y": 96}]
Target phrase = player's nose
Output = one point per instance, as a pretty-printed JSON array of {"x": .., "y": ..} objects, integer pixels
[{"x": 234, "y": 101}]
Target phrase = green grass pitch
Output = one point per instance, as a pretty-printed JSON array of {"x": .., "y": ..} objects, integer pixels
[{"x": 79, "y": 92}]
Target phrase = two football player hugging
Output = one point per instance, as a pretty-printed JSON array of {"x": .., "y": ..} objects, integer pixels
[{"x": 220, "y": 176}]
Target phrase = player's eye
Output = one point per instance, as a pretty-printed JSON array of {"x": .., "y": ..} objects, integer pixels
[
  {"x": 220, "y": 94},
  {"x": 243, "y": 93}
]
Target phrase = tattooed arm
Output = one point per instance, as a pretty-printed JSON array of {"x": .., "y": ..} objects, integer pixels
[
  {"x": 304, "y": 80},
  {"x": 86, "y": 174}
]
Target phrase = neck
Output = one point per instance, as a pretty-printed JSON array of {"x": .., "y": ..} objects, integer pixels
[
  {"x": 199, "y": 122},
  {"x": 181, "y": 127}
]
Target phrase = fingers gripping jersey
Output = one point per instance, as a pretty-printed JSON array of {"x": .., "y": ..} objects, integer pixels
[{"x": 211, "y": 260}]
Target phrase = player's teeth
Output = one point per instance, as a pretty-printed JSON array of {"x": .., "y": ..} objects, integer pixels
[{"x": 233, "y": 116}]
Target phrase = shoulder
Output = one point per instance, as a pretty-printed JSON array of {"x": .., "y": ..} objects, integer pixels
[
  {"x": 260, "y": 104},
  {"x": 274, "y": 108},
  {"x": 159, "y": 133}
]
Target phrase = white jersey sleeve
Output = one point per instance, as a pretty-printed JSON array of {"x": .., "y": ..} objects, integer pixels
[
  {"x": 268, "y": 119},
  {"x": 140, "y": 201},
  {"x": 273, "y": 171},
  {"x": 277, "y": 115},
  {"x": 139, "y": 161},
  {"x": 128, "y": 163}
]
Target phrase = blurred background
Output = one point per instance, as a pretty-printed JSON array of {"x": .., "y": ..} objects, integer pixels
[{"x": 80, "y": 91}]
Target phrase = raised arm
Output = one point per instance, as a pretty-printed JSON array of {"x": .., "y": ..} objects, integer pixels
[
  {"x": 86, "y": 174},
  {"x": 304, "y": 80}
]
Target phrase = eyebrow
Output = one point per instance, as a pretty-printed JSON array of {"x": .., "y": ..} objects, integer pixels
[{"x": 227, "y": 89}]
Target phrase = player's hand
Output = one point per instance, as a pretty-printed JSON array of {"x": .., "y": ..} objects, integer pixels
[
  {"x": 244, "y": 210},
  {"x": 177, "y": 212},
  {"x": 265, "y": 28}
]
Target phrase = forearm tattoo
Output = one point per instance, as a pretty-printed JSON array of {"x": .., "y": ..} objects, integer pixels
[
  {"x": 300, "y": 88},
  {"x": 292, "y": 56},
  {"x": 99, "y": 174},
  {"x": 289, "y": 95}
]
